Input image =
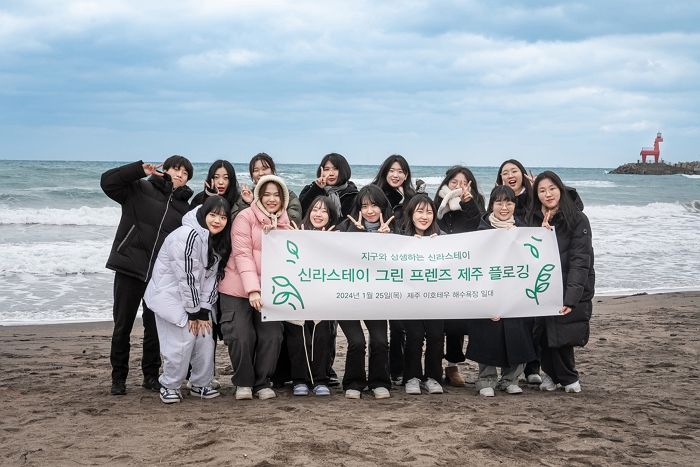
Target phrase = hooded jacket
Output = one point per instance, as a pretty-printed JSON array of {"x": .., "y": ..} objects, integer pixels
[
  {"x": 311, "y": 191},
  {"x": 181, "y": 284},
  {"x": 151, "y": 209},
  {"x": 243, "y": 267}
]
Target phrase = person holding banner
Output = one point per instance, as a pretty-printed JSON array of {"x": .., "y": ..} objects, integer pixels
[
  {"x": 253, "y": 345},
  {"x": 311, "y": 338},
  {"x": 394, "y": 178},
  {"x": 332, "y": 180},
  {"x": 554, "y": 206},
  {"x": 505, "y": 343},
  {"x": 419, "y": 221},
  {"x": 459, "y": 208},
  {"x": 371, "y": 212}
]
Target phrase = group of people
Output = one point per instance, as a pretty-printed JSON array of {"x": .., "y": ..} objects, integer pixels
[{"x": 195, "y": 262}]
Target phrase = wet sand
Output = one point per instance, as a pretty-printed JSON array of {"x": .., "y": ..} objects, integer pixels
[{"x": 640, "y": 405}]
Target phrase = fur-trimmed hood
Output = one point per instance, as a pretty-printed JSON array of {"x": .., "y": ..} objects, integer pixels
[{"x": 272, "y": 178}]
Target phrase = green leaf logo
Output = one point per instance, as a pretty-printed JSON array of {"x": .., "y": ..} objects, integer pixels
[{"x": 289, "y": 294}]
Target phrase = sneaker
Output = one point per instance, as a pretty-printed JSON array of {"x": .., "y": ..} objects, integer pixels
[
  {"x": 322, "y": 390},
  {"x": 534, "y": 379},
  {"x": 244, "y": 393},
  {"x": 151, "y": 383},
  {"x": 266, "y": 393},
  {"x": 574, "y": 387},
  {"x": 487, "y": 392},
  {"x": 548, "y": 383},
  {"x": 397, "y": 380},
  {"x": 381, "y": 393},
  {"x": 170, "y": 396},
  {"x": 413, "y": 386},
  {"x": 333, "y": 381},
  {"x": 453, "y": 377},
  {"x": 433, "y": 386},
  {"x": 513, "y": 389},
  {"x": 204, "y": 392},
  {"x": 118, "y": 387},
  {"x": 300, "y": 390},
  {"x": 352, "y": 394}
]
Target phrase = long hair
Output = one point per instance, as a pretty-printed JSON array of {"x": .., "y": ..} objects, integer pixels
[
  {"x": 374, "y": 195},
  {"x": 332, "y": 215},
  {"x": 421, "y": 199},
  {"x": 450, "y": 174},
  {"x": 500, "y": 193},
  {"x": 526, "y": 181},
  {"x": 567, "y": 208},
  {"x": 380, "y": 179},
  {"x": 340, "y": 163},
  {"x": 231, "y": 194},
  {"x": 219, "y": 244}
]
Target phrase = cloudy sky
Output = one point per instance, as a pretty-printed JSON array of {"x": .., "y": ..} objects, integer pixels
[{"x": 550, "y": 83}]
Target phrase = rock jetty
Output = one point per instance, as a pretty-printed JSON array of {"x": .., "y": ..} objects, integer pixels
[{"x": 661, "y": 168}]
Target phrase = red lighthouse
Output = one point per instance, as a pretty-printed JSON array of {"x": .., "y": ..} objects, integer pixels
[{"x": 656, "y": 152}]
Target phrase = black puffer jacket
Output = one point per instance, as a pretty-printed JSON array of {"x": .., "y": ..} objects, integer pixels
[
  {"x": 150, "y": 211},
  {"x": 503, "y": 343},
  {"x": 312, "y": 190},
  {"x": 578, "y": 280}
]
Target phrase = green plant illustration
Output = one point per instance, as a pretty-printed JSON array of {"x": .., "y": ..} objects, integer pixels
[
  {"x": 286, "y": 296},
  {"x": 293, "y": 250},
  {"x": 533, "y": 249},
  {"x": 541, "y": 283}
]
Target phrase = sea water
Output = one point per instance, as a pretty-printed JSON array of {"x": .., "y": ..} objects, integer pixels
[{"x": 57, "y": 227}]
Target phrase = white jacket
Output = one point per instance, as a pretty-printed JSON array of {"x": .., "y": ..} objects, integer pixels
[{"x": 180, "y": 283}]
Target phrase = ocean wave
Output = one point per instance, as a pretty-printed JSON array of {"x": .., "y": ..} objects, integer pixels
[
  {"x": 691, "y": 176},
  {"x": 622, "y": 212},
  {"x": 428, "y": 180},
  {"x": 54, "y": 258},
  {"x": 591, "y": 183},
  {"x": 107, "y": 216}
]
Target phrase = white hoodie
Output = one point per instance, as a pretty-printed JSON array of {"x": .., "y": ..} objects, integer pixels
[{"x": 180, "y": 283}]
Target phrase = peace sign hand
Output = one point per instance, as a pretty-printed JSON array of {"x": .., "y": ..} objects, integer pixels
[
  {"x": 246, "y": 194},
  {"x": 332, "y": 227},
  {"x": 358, "y": 222},
  {"x": 531, "y": 177},
  {"x": 467, "y": 192},
  {"x": 209, "y": 190},
  {"x": 545, "y": 221},
  {"x": 384, "y": 226},
  {"x": 321, "y": 180},
  {"x": 152, "y": 169}
]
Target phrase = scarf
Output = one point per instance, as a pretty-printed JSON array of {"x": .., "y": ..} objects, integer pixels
[
  {"x": 332, "y": 193},
  {"x": 499, "y": 224},
  {"x": 450, "y": 201}
]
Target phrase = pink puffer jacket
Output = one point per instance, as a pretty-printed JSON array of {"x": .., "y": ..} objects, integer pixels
[{"x": 243, "y": 267}]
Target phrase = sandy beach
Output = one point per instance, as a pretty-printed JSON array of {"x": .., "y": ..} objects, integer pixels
[{"x": 640, "y": 405}]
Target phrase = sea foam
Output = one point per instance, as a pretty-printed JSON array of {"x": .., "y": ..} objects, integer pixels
[{"x": 83, "y": 215}]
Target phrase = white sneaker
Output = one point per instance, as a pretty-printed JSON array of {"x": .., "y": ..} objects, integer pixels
[
  {"x": 534, "y": 379},
  {"x": 513, "y": 389},
  {"x": 265, "y": 393},
  {"x": 244, "y": 393},
  {"x": 352, "y": 394},
  {"x": 548, "y": 383},
  {"x": 170, "y": 396},
  {"x": 204, "y": 392},
  {"x": 381, "y": 393},
  {"x": 487, "y": 392},
  {"x": 413, "y": 386},
  {"x": 433, "y": 386},
  {"x": 573, "y": 387}
]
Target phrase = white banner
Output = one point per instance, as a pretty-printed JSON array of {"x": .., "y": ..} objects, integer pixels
[{"x": 338, "y": 275}]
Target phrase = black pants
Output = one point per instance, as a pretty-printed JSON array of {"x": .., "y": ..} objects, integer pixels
[
  {"x": 128, "y": 293},
  {"x": 559, "y": 363},
  {"x": 455, "y": 330},
  {"x": 316, "y": 340},
  {"x": 432, "y": 331},
  {"x": 397, "y": 344},
  {"x": 533, "y": 367},
  {"x": 355, "y": 376},
  {"x": 331, "y": 346}
]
